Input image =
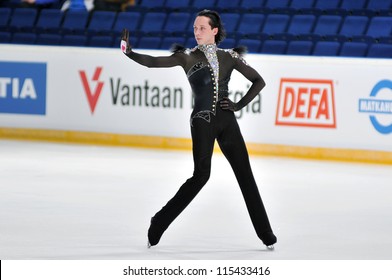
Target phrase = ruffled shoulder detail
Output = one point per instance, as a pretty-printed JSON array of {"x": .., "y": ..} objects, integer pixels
[
  {"x": 238, "y": 53},
  {"x": 241, "y": 50},
  {"x": 177, "y": 48}
]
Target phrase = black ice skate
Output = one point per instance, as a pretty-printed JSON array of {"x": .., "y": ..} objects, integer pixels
[
  {"x": 154, "y": 233},
  {"x": 269, "y": 239}
]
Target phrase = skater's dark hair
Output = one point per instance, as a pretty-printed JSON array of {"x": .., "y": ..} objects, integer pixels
[{"x": 215, "y": 22}]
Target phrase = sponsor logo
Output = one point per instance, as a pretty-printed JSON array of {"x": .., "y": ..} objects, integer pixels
[
  {"x": 146, "y": 94},
  {"x": 23, "y": 88},
  {"x": 379, "y": 109},
  {"x": 306, "y": 102},
  {"x": 92, "y": 96}
]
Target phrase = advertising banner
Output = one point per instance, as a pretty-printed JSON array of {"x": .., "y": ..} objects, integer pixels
[
  {"x": 23, "y": 88},
  {"x": 316, "y": 102}
]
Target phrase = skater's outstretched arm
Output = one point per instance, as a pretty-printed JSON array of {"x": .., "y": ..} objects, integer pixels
[{"x": 176, "y": 59}]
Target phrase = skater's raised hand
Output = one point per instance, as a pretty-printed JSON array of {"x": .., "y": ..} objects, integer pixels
[{"x": 125, "y": 46}]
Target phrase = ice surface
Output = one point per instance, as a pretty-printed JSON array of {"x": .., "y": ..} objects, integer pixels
[{"x": 65, "y": 201}]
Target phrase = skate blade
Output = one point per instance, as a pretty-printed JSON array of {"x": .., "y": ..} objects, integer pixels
[{"x": 271, "y": 247}]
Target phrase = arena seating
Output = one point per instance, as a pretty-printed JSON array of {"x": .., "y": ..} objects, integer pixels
[{"x": 353, "y": 28}]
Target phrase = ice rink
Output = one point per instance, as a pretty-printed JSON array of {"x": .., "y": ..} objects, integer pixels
[{"x": 80, "y": 202}]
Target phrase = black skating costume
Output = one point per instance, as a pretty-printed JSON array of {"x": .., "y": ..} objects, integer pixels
[{"x": 208, "y": 70}]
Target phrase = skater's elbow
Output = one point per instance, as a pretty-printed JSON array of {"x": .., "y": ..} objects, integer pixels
[{"x": 259, "y": 83}]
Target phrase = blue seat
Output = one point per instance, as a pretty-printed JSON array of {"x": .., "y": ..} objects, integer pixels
[
  {"x": 228, "y": 43},
  {"x": 230, "y": 21},
  {"x": 5, "y": 15},
  {"x": 252, "y": 5},
  {"x": 24, "y": 38},
  {"x": 301, "y": 24},
  {"x": 101, "y": 22},
  {"x": 177, "y": 23},
  {"x": 74, "y": 40},
  {"x": 252, "y": 45},
  {"x": 224, "y": 5},
  {"x": 380, "y": 50},
  {"x": 302, "y": 4},
  {"x": 283, "y": 10},
  {"x": 273, "y": 4},
  {"x": 327, "y": 25},
  {"x": 352, "y": 4},
  {"x": 203, "y": 4},
  {"x": 149, "y": 43},
  {"x": 191, "y": 42},
  {"x": 354, "y": 26},
  {"x": 49, "y": 20},
  {"x": 128, "y": 20},
  {"x": 353, "y": 49},
  {"x": 23, "y": 19},
  {"x": 299, "y": 48},
  {"x": 380, "y": 27},
  {"x": 378, "y": 5},
  {"x": 275, "y": 23},
  {"x": 327, "y": 4},
  {"x": 150, "y": 5},
  {"x": 330, "y": 7},
  {"x": 250, "y": 23},
  {"x": 74, "y": 21},
  {"x": 347, "y": 7},
  {"x": 167, "y": 42},
  {"x": 101, "y": 41},
  {"x": 325, "y": 48},
  {"x": 177, "y": 5},
  {"x": 48, "y": 39},
  {"x": 5, "y": 37},
  {"x": 274, "y": 47},
  {"x": 152, "y": 23}
]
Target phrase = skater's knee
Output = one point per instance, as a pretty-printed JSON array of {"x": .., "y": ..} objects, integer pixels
[
  {"x": 201, "y": 178},
  {"x": 203, "y": 170},
  {"x": 204, "y": 177}
]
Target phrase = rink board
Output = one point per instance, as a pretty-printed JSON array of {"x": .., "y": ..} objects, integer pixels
[{"x": 318, "y": 107}]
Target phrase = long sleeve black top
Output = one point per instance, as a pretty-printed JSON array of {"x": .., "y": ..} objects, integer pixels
[{"x": 203, "y": 74}]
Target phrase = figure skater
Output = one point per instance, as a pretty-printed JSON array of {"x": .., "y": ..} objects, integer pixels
[{"x": 208, "y": 70}]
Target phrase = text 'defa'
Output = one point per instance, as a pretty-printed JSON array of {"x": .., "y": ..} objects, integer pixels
[{"x": 305, "y": 102}]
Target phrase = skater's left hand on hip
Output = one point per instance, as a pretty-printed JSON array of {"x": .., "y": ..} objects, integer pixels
[{"x": 227, "y": 104}]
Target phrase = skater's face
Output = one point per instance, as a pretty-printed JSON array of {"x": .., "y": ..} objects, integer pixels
[{"x": 204, "y": 33}]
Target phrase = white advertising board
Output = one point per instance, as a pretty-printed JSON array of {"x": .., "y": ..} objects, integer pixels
[{"x": 321, "y": 102}]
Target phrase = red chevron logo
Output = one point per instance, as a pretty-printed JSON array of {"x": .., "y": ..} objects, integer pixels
[{"x": 92, "y": 96}]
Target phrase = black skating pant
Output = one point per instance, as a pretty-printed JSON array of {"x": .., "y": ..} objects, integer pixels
[{"x": 223, "y": 127}]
